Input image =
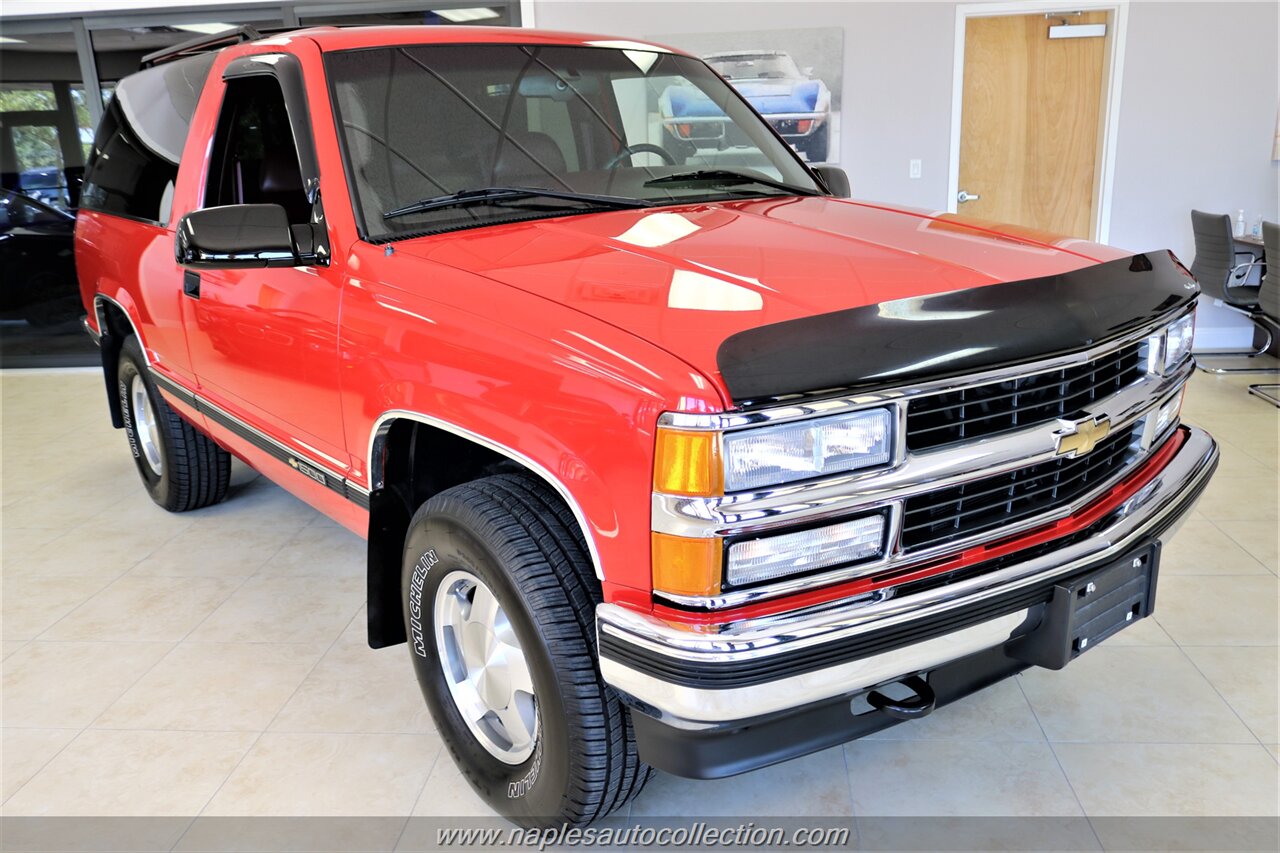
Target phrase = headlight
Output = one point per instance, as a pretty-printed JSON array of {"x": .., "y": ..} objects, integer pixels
[
  {"x": 1177, "y": 341},
  {"x": 770, "y": 456},
  {"x": 771, "y": 557},
  {"x": 709, "y": 463}
]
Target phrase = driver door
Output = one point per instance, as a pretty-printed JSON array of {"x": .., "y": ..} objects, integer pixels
[{"x": 263, "y": 342}]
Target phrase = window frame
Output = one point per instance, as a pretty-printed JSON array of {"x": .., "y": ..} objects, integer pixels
[
  {"x": 286, "y": 69},
  {"x": 222, "y": 138}
]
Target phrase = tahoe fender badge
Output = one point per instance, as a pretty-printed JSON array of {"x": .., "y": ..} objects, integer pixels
[{"x": 1081, "y": 437}]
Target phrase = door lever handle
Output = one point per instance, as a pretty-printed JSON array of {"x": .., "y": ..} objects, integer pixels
[
  {"x": 963, "y": 196},
  {"x": 191, "y": 284}
]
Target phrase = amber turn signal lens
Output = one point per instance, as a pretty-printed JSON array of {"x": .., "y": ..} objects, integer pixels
[
  {"x": 688, "y": 463},
  {"x": 686, "y": 566}
]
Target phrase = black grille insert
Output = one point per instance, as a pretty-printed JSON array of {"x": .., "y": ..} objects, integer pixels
[
  {"x": 985, "y": 410},
  {"x": 957, "y": 512}
]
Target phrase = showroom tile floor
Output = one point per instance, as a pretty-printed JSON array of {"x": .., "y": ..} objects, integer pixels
[{"x": 214, "y": 662}]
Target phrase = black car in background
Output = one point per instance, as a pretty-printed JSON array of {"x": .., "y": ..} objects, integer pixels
[
  {"x": 48, "y": 185},
  {"x": 38, "y": 283}
]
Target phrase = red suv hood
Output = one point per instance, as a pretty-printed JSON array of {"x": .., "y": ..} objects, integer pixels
[{"x": 685, "y": 278}]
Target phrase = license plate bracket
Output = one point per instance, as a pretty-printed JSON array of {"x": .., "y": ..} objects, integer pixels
[{"x": 1090, "y": 608}]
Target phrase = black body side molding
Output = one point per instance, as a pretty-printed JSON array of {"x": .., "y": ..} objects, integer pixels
[{"x": 952, "y": 334}]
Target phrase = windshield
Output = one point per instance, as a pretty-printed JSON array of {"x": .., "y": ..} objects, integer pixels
[
  {"x": 422, "y": 122},
  {"x": 755, "y": 66}
]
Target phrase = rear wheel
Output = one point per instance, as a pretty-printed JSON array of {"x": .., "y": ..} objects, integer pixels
[
  {"x": 499, "y": 601},
  {"x": 181, "y": 468}
]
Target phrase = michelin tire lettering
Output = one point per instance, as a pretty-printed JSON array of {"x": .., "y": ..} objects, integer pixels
[
  {"x": 420, "y": 570},
  {"x": 522, "y": 786},
  {"x": 128, "y": 420}
]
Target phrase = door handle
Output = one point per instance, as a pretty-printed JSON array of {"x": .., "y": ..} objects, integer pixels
[
  {"x": 963, "y": 196},
  {"x": 191, "y": 284}
]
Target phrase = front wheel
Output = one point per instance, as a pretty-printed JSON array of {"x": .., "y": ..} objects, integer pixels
[{"x": 499, "y": 601}]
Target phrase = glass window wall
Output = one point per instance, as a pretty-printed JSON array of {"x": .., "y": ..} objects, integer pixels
[{"x": 46, "y": 126}]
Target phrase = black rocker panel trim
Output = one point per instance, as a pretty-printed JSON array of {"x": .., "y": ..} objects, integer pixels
[
  {"x": 174, "y": 389},
  {"x": 955, "y": 333},
  {"x": 302, "y": 464}
]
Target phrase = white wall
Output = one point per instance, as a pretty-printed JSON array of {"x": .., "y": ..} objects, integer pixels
[
  {"x": 1198, "y": 114},
  {"x": 1197, "y": 111},
  {"x": 86, "y": 7}
]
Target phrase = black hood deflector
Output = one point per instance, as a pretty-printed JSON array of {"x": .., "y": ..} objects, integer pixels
[{"x": 951, "y": 334}]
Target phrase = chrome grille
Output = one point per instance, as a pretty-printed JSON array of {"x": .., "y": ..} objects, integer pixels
[
  {"x": 983, "y": 410},
  {"x": 958, "y": 512}
]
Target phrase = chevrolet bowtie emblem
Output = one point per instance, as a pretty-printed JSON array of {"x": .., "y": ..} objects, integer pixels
[{"x": 1082, "y": 436}]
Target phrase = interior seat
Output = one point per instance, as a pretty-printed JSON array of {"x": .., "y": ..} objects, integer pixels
[{"x": 527, "y": 158}]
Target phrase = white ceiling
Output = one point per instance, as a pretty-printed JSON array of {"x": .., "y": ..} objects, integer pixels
[{"x": 14, "y": 8}]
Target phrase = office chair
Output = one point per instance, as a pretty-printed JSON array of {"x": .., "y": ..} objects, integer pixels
[
  {"x": 1269, "y": 299},
  {"x": 1222, "y": 270}
]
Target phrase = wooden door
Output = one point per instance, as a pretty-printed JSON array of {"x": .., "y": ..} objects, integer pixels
[{"x": 1030, "y": 122}]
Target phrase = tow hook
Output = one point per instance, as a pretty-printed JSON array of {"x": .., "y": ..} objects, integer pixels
[{"x": 912, "y": 708}]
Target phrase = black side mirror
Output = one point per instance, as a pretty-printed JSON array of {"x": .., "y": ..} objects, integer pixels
[
  {"x": 238, "y": 236},
  {"x": 834, "y": 179}
]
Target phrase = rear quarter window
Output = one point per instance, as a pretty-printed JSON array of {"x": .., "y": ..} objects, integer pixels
[{"x": 134, "y": 161}]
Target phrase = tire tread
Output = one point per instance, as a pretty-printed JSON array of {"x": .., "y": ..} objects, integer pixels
[
  {"x": 538, "y": 540},
  {"x": 197, "y": 470}
]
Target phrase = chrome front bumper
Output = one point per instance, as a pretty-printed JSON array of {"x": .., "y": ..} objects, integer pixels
[{"x": 654, "y": 664}]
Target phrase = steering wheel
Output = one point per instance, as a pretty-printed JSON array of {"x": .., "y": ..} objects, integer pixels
[{"x": 640, "y": 148}]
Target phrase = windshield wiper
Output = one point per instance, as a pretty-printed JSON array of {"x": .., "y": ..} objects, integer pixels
[
  {"x": 491, "y": 195},
  {"x": 724, "y": 177}
]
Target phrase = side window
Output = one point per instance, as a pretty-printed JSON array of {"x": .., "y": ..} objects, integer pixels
[
  {"x": 133, "y": 163},
  {"x": 125, "y": 176},
  {"x": 254, "y": 158}
]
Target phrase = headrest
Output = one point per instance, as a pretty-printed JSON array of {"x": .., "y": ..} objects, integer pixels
[{"x": 514, "y": 166}]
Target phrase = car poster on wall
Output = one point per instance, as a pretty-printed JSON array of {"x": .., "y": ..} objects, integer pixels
[{"x": 792, "y": 77}]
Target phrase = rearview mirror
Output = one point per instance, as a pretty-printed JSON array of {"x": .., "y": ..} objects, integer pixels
[
  {"x": 237, "y": 236},
  {"x": 834, "y": 179}
]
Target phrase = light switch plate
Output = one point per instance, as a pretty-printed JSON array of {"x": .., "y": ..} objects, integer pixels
[{"x": 915, "y": 168}]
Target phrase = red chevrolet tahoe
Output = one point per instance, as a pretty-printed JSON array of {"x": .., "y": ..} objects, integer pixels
[{"x": 667, "y": 455}]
